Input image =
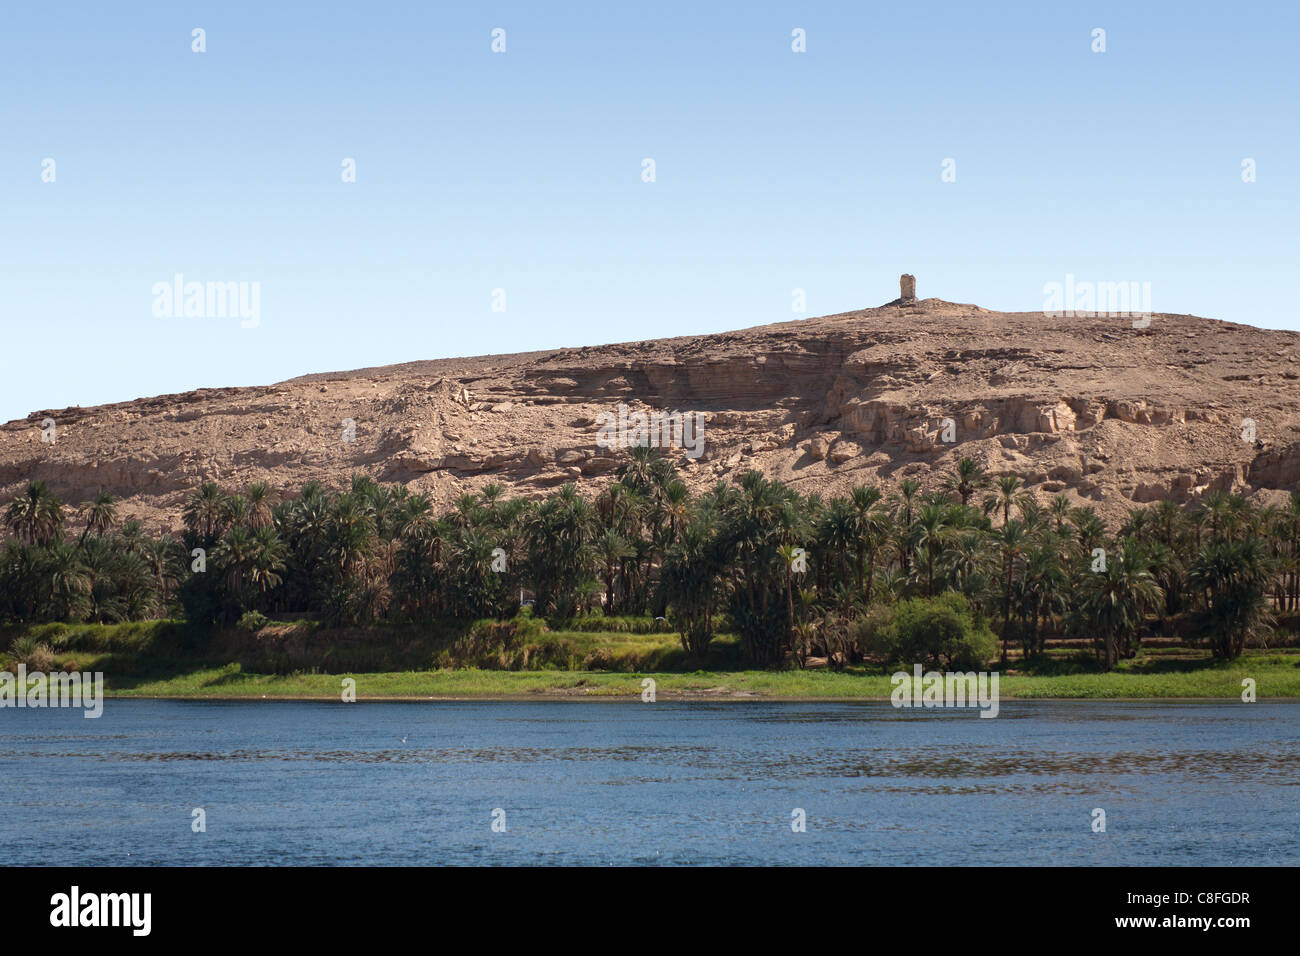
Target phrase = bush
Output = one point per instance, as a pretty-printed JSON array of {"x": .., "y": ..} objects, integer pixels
[
  {"x": 876, "y": 635},
  {"x": 252, "y": 621},
  {"x": 58, "y": 636},
  {"x": 942, "y": 632},
  {"x": 618, "y": 624},
  {"x": 507, "y": 633},
  {"x": 483, "y": 647},
  {"x": 29, "y": 651},
  {"x": 598, "y": 660}
]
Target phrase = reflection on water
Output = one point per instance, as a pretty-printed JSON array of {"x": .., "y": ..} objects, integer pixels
[{"x": 601, "y": 782}]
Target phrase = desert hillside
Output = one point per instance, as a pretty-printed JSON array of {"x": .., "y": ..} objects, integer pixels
[{"x": 1109, "y": 414}]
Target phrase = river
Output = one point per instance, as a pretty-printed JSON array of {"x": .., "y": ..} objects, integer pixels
[{"x": 599, "y": 783}]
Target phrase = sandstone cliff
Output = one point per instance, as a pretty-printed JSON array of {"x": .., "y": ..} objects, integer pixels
[{"x": 1109, "y": 414}]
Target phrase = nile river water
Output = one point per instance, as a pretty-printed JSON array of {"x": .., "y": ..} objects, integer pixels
[{"x": 668, "y": 783}]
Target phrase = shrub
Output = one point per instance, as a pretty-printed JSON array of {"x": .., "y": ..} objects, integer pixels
[
  {"x": 940, "y": 632},
  {"x": 507, "y": 633},
  {"x": 619, "y": 624},
  {"x": 252, "y": 621},
  {"x": 876, "y": 635},
  {"x": 58, "y": 636},
  {"x": 37, "y": 656},
  {"x": 483, "y": 647},
  {"x": 598, "y": 660}
]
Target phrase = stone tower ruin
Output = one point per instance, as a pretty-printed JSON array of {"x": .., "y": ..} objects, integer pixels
[{"x": 907, "y": 286}]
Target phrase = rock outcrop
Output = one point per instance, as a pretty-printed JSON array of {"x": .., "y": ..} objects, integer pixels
[{"x": 1110, "y": 415}]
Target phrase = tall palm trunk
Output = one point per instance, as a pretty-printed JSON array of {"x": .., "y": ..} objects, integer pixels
[{"x": 1006, "y": 607}]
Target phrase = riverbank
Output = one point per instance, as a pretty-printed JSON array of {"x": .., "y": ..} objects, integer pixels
[
  {"x": 1275, "y": 676},
  {"x": 287, "y": 661}
]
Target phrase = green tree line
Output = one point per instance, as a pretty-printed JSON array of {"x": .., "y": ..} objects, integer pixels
[{"x": 792, "y": 575}]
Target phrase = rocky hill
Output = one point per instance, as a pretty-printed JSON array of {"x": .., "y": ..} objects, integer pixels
[{"x": 1110, "y": 414}]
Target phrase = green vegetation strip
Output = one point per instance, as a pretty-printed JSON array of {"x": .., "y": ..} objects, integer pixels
[
  {"x": 1275, "y": 676},
  {"x": 305, "y": 661}
]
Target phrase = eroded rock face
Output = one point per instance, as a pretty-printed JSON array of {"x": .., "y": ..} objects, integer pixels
[
  {"x": 843, "y": 451},
  {"x": 1276, "y": 467},
  {"x": 1090, "y": 407}
]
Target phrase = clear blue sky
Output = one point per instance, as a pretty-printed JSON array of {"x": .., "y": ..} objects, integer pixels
[{"x": 522, "y": 171}]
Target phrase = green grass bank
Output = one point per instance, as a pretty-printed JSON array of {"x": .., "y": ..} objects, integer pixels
[{"x": 523, "y": 659}]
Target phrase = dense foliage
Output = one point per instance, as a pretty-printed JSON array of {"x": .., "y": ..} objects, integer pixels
[
  {"x": 940, "y": 632},
  {"x": 793, "y": 575}
]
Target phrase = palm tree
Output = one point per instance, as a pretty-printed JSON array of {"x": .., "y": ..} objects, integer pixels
[
  {"x": 1240, "y": 515},
  {"x": 1090, "y": 530},
  {"x": 491, "y": 493},
  {"x": 967, "y": 566},
  {"x": 787, "y": 556},
  {"x": 107, "y": 572},
  {"x": 349, "y": 537},
  {"x": 676, "y": 505},
  {"x": 1137, "y": 524},
  {"x": 933, "y": 536},
  {"x": 1215, "y": 507},
  {"x": 965, "y": 480},
  {"x": 558, "y": 542},
  {"x": 417, "y": 517},
  {"x": 132, "y": 536},
  {"x": 871, "y": 530},
  {"x": 892, "y": 584},
  {"x": 385, "y": 506},
  {"x": 418, "y": 576},
  {"x": 648, "y": 545},
  {"x": 67, "y": 583},
  {"x": 1011, "y": 541},
  {"x": 37, "y": 516},
  {"x": 21, "y": 514},
  {"x": 1044, "y": 586},
  {"x": 101, "y": 514},
  {"x": 756, "y": 521},
  {"x": 267, "y": 560},
  {"x": 161, "y": 557},
  {"x": 1291, "y": 529},
  {"x": 476, "y": 590},
  {"x": 805, "y": 629},
  {"x": 261, "y": 500},
  {"x": 837, "y": 534},
  {"x": 904, "y": 513},
  {"x": 1167, "y": 567},
  {"x": 690, "y": 580},
  {"x": 1008, "y": 489},
  {"x": 238, "y": 512},
  {"x": 204, "y": 513},
  {"x": 646, "y": 469},
  {"x": 611, "y": 549},
  {"x": 234, "y": 555},
  {"x": 1232, "y": 576},
  {"x": 1115, "y": 600},
  {"x": 1059, "y": 512}
]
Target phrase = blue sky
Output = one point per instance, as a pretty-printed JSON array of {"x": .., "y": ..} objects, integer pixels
[{"x": 522, "y": 171}]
